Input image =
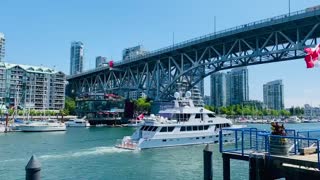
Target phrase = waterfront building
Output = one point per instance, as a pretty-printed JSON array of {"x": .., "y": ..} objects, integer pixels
[
  {"x": 136, "y": 95},
  {"x": 133, "y": 52},
  {"x": 218, "y": 89},
  {"x": 101, "y": 108},
  {"x": 32, "y": 87},
  {"x": 273, "y": 95},
  {"x": 311, "y": 112},
  {"x": 100, "y": 61},
  {"x": 2, "y": 46},
  {"x": 76, "y": 57},
  {"x": 237, "y": 86}
]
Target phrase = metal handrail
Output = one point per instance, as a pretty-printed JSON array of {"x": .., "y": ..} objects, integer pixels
[{"x": 295, "y": 138}]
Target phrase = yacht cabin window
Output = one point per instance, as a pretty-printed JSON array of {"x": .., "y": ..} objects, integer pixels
[
  {"x": 149, "y": 128},
  {"x": 167, "y": 129},
  {"x": 198, "y": 116},
  {"x": 194, "y": 128},
  {"x": 211, "y": 115},
  {"x": 164, "y": 129},
  {"x": 170, "y": 129},
  {"x": 222, "y": 125},
  {"x": 182, "y": 117}
]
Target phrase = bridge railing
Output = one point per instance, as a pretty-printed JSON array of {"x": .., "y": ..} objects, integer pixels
[
  {"x": 217, "y": 34},
  {"x": 281, "y": 18},
  {"x": 244, "y": 141}
]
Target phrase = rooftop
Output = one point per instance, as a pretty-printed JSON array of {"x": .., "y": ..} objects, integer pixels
[{"x": 28, "y": 68}]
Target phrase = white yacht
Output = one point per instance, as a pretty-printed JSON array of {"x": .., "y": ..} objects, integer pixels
[
  {"x": 43, "y": 126},
  {"x": 294, "y": 119},
  {"x": 2, "y": 128},
  {"x": 135, "y": 123},
  {"x": 183, "y": 124},
  {"x": 77, "y": 123}
]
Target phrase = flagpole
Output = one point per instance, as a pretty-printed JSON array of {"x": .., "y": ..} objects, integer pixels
[
  {"x": 215, "y": 25},
  {"x": 289, "y": 7},
  {"x": 172, "y": 38}
]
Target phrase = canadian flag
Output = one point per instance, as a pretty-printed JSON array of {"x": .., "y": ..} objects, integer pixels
[
  {"x": 140, "y": 117},
  {"x": 312, "y": 57}
]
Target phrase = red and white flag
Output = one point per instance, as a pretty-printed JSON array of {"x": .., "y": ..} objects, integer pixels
[
  {"x": 140, "y": 117},
  {"x": 312, "y": 57}
]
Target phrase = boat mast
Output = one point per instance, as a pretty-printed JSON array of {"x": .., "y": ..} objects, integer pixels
[
  {"x": 16, "y": 101},
  {"x": 28, "y": 113}
]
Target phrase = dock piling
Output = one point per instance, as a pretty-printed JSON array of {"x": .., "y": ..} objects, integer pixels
[
  {"x": 257, "y": 166},
  {"x": 207, "y": 163},
  {"x": 226, "y": 167},
  {"x": 33, "y": 169}
]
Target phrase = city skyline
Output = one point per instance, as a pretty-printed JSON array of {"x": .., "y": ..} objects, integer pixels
[
  {"x": 229, "y": 88},
  {"x": 153, "y": 35}
]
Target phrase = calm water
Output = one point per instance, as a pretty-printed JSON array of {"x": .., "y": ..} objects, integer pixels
[{"x": 89, "y": 154}]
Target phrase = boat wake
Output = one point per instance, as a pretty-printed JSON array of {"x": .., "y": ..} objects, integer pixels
[{"x": 86, "y": 152}]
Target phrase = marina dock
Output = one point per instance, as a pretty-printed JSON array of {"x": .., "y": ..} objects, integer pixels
[{"x": 296, "y": 157}]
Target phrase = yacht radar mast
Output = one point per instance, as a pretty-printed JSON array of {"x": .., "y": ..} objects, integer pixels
[
  {"x": 188, "y": 95},
  {"x": 177, "y": 95}
]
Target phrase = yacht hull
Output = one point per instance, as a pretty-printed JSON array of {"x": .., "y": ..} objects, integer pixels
[
  {"x": 41, "y": 129},
  {"x": 158, "y": 143},
  {"x": 2, "y": 129},
  {"x": 178, "y": 141},
  {"x": 77, "y": 125}
]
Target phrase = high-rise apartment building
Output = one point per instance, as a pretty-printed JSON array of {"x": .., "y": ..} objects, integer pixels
[
  {"x": 133, "y": 52},
  {"x": 218, "y": 91},
  {"x": 32, "y": 87},
  {"x": 237, "y": 86},
  {"x": 2, "y": 46},
  {"x": 273, "y": 95},
  {"x": 183, "y": 87},
  {"x": 100, "y": 61},
  {"x": 76, "y": 57}
]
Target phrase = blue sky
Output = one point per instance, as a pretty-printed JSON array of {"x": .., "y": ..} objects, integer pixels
[{"x": 40, "y": 32}]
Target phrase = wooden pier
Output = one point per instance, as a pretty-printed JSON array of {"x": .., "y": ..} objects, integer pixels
[{"x": 266, "y": 167}]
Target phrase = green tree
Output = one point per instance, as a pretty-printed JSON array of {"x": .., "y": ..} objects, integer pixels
[
  {"x": 11, "y": 111},
  {"x": 70, "y": 105},
  {"x": 284, "y": 113},
  {"x": 142, "y": 105}
]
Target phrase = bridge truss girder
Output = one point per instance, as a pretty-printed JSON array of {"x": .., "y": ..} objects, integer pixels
[{"x": 158, "y": 77}]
